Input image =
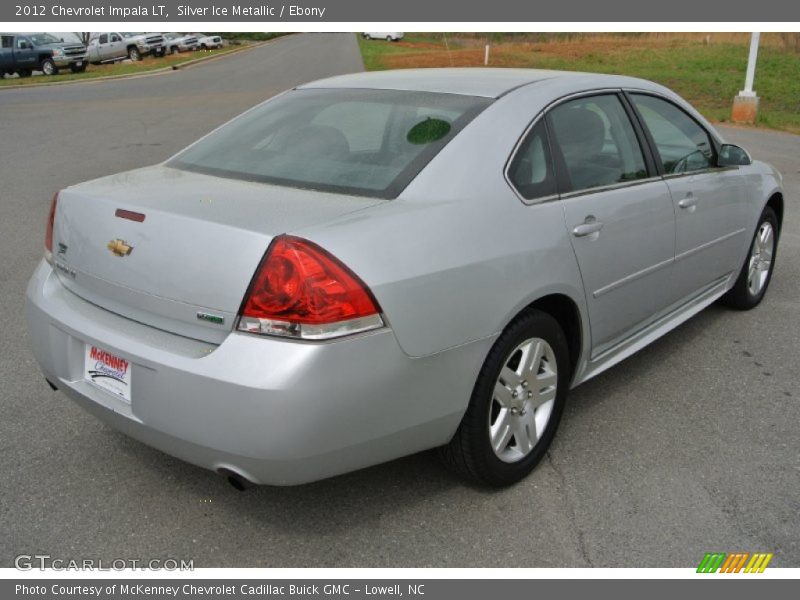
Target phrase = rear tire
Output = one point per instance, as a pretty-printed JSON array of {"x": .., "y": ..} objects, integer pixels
[
  {"x": 24, "y": 72},
  {"x": 506, "y": 404},
  {"x": 756, "y": 272}
]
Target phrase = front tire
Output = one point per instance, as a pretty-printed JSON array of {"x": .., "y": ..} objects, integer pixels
[
  {"x": 134, "y": 54},
  {"x": 48, "y": 67},
  {"x": 516, "y": 404},
  {"x": 80, "y": 69},
  {"x": 756, "y": 273}
]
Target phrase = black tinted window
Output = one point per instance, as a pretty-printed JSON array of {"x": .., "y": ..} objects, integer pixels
[
  {"x": 681, "y": 143},
  {"x": 531, "y": 171},
  {"x": 104, "y": 38},
  {"x": 8, "y": 41},
  {"x": 597, "y": 141}
]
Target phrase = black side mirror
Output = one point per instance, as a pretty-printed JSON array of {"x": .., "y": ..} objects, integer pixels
[{"x": 731, "y": 155}]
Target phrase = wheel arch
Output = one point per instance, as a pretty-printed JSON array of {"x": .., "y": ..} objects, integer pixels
[
  {"x": 569, "y": 315},
  {"x": 775, "y": 202}
]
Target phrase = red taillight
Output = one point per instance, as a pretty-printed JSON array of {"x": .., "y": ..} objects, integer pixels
[
  {"x": 48, "y": 235},
  {"x": 302, "y": 291}
]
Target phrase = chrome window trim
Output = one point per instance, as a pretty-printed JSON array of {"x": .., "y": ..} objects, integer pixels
[
  {"x": 513, "y": 155},
  {"x": 614, "y": 186},
  {"x": 594, "y": 92},
  {"x": 538, "y": 117},
  {"x": 706, "y": 171}
]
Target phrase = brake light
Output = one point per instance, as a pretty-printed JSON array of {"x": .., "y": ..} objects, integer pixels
[
  {"x": 302, "y": 291},
  {"x": 48, "y": 235}
]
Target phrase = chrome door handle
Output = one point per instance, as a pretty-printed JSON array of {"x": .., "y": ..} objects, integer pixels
[
  {"x": 688, "y": 202},
  {"x": 587, "y": 228}
]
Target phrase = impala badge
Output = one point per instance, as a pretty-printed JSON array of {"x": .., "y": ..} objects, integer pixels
[{"x": 119, "y": 247}]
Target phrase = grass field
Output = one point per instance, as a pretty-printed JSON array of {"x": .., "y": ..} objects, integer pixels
[
  {"x": 707, "y": 70},
  {"x": 120, "y": 68}
]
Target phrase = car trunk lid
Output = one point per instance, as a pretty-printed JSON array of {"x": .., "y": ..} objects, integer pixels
[{"x": 174, "y": 249}]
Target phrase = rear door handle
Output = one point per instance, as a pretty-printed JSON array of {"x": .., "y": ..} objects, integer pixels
[{"x": 587, "y": 228}]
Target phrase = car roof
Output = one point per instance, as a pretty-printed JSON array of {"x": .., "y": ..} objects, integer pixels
[{"x": 486, "y": 82}]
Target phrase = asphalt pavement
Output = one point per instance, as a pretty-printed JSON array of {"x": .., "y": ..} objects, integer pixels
[{"x": 692, "y": 445}]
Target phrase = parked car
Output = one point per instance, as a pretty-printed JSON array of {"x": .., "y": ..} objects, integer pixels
[
  {"x": 208, "y": 42},
  {"x": 24, "y": 53},
  {"x": 389, "y": 36},
  {"x": 111, "y": 46},
  {"x": 376, "y": 264},
  {"x": 180, "y": 42}
]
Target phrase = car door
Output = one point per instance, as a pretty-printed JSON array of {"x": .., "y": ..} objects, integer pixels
[
  {"x": 103, "y": 47},
  {"x": 710, "y": 202},
  {"x": 25, "y": 53},
  {"x": 618, "y": 214},
  {"x": 116, "y": 46}
]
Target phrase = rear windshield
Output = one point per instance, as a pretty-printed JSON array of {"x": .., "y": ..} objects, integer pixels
[{"x": 364, "y": 142}]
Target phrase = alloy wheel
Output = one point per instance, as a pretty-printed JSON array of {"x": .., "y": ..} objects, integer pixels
[
  {"x": 522, "y": 400},
  {"x": 761, "y": 258}
]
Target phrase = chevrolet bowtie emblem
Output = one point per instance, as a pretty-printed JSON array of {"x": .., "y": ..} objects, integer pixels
[{"x": 119, "y": 247}]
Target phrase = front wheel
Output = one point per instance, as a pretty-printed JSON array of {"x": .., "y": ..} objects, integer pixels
[
  {"x": 76, "y": 69},
  {"x": 134, "y": 54},
  {"x": 48, "y": 67},
  {"x": 756, "y": 272},
  {"x": 516, "y": 404}
]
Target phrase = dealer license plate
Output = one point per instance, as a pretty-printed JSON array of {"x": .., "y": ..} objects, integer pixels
[{"x": 108, "y": 371}]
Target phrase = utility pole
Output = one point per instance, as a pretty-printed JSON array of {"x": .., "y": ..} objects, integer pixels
[{"x": 745, "y": 105}]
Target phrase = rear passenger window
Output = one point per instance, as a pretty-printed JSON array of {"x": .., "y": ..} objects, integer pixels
[
  {"x": 104, "y": 38},
  {"x": 531, "y": 171},
  {"x": 597, "y": 142},
  {"x": 7, "y": 41},
  {"x": 682, "y": 144}
]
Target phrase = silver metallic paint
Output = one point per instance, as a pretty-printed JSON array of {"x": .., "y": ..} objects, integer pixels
[{"x": 451, "y": 261}]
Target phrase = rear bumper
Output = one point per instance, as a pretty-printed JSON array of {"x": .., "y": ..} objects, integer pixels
[{"x": 276, "y": 412}]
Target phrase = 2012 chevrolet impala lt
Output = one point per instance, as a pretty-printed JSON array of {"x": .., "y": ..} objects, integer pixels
[{"x": 376, "y": 264}]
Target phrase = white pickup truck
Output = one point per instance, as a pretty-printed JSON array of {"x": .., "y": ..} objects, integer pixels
[{"x": 110, "y": 46}]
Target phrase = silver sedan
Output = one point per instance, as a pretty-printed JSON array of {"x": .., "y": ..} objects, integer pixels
[{"x": 373, "y": 265}]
